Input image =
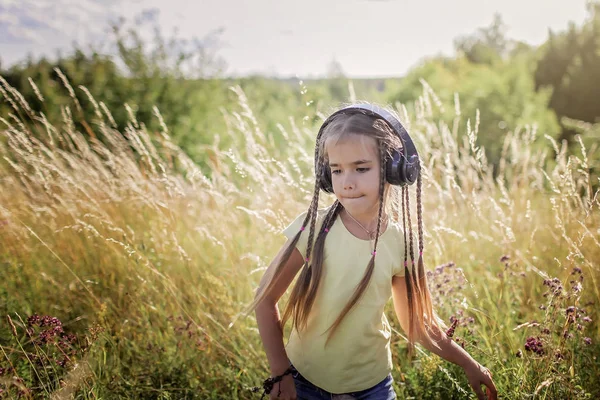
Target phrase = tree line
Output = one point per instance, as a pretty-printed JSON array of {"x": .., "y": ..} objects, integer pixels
[{"x": 553, "y": 87}]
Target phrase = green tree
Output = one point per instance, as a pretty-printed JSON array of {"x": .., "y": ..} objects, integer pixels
[
  {"x": 503, "y": 93},
  {"x": 570, "y": 67},
  {"x": 176, "y": 76},
  {"x": 488, "y": 45}
]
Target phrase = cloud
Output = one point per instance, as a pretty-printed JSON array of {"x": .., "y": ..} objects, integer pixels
[
  {"x": 148, "y": 15},
  {"x": 42, "y": 27},
  {"x": 34, "y": 21}
]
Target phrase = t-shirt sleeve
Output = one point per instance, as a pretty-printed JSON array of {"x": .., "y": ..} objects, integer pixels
[
  {"x": 292, "y": 229},
  {"x": 399, "y": 268}
]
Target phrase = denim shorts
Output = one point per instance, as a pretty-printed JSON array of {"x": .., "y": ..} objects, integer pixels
[{"x": 307, "y": 391}]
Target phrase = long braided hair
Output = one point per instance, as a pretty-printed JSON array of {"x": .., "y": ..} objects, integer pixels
[{"x": 305, "y": 289}]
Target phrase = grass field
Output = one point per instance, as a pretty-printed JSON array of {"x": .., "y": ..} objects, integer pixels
[{"x": 125, "y": 268}]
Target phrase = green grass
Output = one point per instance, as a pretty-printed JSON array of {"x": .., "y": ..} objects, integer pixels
[{"x": 148, "y": 261}]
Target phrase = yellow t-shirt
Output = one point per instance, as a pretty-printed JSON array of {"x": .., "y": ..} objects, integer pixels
[{"x": 358, "y": 356}]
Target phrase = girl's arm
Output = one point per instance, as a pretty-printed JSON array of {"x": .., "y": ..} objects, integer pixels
[
  {"x": 267, "y": 312},
  {"x": 446, "y": 347}
]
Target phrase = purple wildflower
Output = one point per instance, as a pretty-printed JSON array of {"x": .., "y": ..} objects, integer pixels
[
  {"x": 50, "y": 321},
  {"x": 33, "y": 320},
  {"x": 450, "y": 331},
  {"x": 534, "y": 345}
]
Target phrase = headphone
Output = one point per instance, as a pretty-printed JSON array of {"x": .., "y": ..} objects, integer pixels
[{"x": 401, "y": 168}]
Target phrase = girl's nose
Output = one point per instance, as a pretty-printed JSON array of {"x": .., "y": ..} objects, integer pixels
[{"x": 348, "y": 183}]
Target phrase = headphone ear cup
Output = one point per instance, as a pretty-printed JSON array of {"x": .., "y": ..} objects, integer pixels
[
  {"x": 411, "y": 169},
  {"x": 394, "y": 169},
  {"x": 325, "y": 179},
  {"x": 401, "y": 172}
]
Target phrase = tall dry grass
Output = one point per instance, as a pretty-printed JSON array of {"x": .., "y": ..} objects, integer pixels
[{"x": 146, "y": 259}]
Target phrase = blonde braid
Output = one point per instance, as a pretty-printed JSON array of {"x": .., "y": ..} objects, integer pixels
[{"x": 381, "y": 188}]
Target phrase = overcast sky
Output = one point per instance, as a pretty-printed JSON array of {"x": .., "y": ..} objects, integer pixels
[{"x": 284, "y": 37}]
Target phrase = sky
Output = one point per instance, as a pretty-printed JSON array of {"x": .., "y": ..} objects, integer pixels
[{"x": 286, "y": 38}]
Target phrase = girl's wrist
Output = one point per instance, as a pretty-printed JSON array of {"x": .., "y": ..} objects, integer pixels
[
  {"x": 283, "y": 373},
  {"x": 279, "y": 369},
  {"x": 470, "y": 362}
]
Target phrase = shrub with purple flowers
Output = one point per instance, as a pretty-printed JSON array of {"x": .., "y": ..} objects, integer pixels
[
  {"x": 40, "y": 343},
  {"x": 559, "y": 338},
  {"x": 446, "y": 284}
]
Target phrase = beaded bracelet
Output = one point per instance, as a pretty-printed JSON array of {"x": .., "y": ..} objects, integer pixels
[{"x": 270, "y": 382}]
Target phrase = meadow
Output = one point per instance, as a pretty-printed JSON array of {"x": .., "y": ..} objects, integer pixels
[{"x": 126, "y": 267}]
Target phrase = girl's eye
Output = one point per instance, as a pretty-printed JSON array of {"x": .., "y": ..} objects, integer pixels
[
  {"x": 363, "y": 170},
  {"x": 335, "y": 171}
]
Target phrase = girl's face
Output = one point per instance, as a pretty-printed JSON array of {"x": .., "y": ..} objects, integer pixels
[{"x": 355, "y": 169}]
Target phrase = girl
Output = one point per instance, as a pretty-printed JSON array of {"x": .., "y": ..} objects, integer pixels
[{"x": 352, "y": 257}]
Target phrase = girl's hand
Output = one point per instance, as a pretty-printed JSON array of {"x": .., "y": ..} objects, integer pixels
[
  {"x": 477, "y": 375},
  {"x": 285, "y": 388}
]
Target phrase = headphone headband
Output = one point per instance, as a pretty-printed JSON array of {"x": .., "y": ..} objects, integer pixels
[{"x": 408, "y": 147}]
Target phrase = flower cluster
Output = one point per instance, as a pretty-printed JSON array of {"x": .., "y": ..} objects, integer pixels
[
  {"x": 450, "y": 331},
  {"x": 49, "y": 346},
  {"x": 458, "y": 321},
  {"x": 36, "y": 320},
  {"x": 46, "y": 331},
  {"x": 190, "y": 331},
  {"x": 509, "y": 268},
  {"x": 555, "y": 286},
  {"x": 445, "y": 283},
  {"x": 564, "y": 319},
  {"x": 534, "y": 345}
]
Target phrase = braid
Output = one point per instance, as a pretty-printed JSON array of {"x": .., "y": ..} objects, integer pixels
[
  {"x": 420, "y": 216},
  {"x": 408, "y": 279},
  {"x": 318, "y": 252},
  {"x": 305, "y": 289},
  {"x": 381, "y": 188},
  {"x": 314, "y": 204},
  {"x": 313, "y": 211},
  {"x": 336, "y": 207},
  {"x": 410, "y": 231},
  {"x": 299, "y": 292},
  {"x": 415, "y": 272},
  {"x": 268, "y": 287},
  {"x": 404, "y": 189},
  {"x": 414, "y": 290},
  {"x": 422, "y": 277}
]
